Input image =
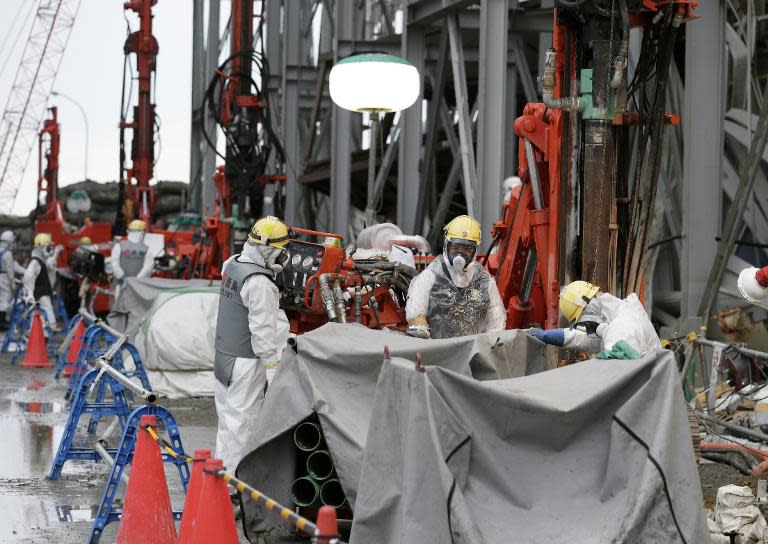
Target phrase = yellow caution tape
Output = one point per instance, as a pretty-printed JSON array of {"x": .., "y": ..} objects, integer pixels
[{"x": 165, "y": 446}]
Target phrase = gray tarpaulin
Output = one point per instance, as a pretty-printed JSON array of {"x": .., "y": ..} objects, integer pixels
[
  {"x": 592, "y": 453},
  {"x": 138, "y": 294},
  {"x": 333, "y": 372}
]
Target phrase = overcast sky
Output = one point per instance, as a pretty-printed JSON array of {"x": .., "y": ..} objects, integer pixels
[{"x": 91, "y": 73}]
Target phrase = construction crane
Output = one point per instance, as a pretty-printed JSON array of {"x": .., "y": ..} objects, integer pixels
[{"x": 32, "y": 85}]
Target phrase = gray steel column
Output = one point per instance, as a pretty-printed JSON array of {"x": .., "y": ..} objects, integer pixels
[
  {"x": 469, "y": 171},
  {"x": 273, "y": 46},
  {"x": 292, "y": 57},
  {"x": 212, "y": 45},
  {"x": 702, "y": 163},
  {"x": 195, "y": 134},
  {"x": 341, "y": 131},
  {"x": 408, "y": 178},
  {"x": 545, "y": 42},
  {"x": 492, "y": 118}
]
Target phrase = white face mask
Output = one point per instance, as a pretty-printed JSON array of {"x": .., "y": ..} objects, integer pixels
[
  {"x": 274, "y": 257},
  {"x": 135, "y": 236},
  {"x": 459, "y": 263}
]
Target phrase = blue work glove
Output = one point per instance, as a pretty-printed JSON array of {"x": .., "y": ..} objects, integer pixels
[{"x": 553, "y": 337}]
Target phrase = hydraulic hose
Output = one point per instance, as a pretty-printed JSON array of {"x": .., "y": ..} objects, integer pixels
[
  {"x": 326, "y": 293},
  {"x": 338, "y": 295}
]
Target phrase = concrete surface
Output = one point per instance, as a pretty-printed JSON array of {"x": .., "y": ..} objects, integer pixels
[{"x": 32, "y": 418}]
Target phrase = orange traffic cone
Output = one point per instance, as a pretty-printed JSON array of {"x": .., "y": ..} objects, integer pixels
[
  {"x": 214, "y": 519},
  {"x": 74, "y": 348},
  {"x": 37, "y": 352},
  {"x": 327, "y": 525},
  {"x": 147, "y": 514},
  {"x": 193, "y": 493}
]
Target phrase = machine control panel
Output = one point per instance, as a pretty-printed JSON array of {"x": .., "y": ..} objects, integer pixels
[{"x": 304, "y": 259}]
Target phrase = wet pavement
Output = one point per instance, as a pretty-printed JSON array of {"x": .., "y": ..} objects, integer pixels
[{"x": 32, "y": 418}]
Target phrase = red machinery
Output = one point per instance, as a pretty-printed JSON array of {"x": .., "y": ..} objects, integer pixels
[
  {"x": 51, "y": 218},
  {"x": 574, "y": 216},
  {"x": 140, "y": 197},
  {"x": 320, "y": 284}
]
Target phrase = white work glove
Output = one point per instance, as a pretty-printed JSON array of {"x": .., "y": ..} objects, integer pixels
[
  {"x": 418, "y": 331},
  {"x": 270, "y": 367}
]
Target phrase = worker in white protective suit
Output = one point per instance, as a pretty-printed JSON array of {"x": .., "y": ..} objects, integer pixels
[
  {"x": 251, "y": 331},
  {"x": 455, "y": 295},
  {"x": 599, "y": 321},
  {"x": 131, "y": 257},
  {"x": 753, "y": 284},
  {"x": 40, "y": 276},
  {"x": 9, "y": 268}
]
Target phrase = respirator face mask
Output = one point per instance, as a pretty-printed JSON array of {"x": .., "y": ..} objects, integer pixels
[
  {"x": 135, "y": 236},
  {"x": 460, "y": 254}
]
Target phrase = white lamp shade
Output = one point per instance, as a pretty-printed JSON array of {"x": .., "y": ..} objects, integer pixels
[{"x": 374, "y": 82}]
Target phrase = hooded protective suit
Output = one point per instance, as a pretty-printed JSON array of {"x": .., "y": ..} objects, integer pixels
[
  {"x": 251, "y": 331},
  {"x": 455, "y": 302},
  {"x": 8, "y": 269},
  {"x": 40, "y": 278},
  {"x": 617, "y": 320}
]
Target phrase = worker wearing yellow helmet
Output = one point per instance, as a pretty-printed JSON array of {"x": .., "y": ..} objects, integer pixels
[
  {"x": 40, "y": 276},
  {"x": 251, "y": 331},
  {"x": 600, "y": 321},
  {"x": 455, "y": 295},
  {"x": 131, "y": 257}
]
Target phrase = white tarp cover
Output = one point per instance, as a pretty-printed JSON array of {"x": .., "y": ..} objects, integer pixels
[
  {"x": 173, "y": 324},
  {"x": 175, "y": 339},
  {"x": 137, "y": 296},
  {"x": 591, "y": 453},
  {"x": 333, "y": 371}
]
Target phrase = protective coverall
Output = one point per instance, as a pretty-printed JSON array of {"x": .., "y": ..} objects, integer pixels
[
  {"x": 8, "y": 270},
  {"x": 251, "y": 331},
  {"x": 131, "y": 258},
  {"x": 39, "y": 279},
  {"x": 612, "y": 319},
  {"x": 455, "y": 303}
]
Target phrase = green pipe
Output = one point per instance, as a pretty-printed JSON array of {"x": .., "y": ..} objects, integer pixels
[
  {"x": 332, "y": 494},
  {"x": 307, "y": 436},
  {"x": 305, "y": 491},
  {"x": 320, "y": 465}
]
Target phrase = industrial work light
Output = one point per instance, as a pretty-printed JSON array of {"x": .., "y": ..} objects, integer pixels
[{"x": 373, "y": 83}]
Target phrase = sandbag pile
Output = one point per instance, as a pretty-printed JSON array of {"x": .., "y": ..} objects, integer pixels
[{"x": 98, "y": 201}]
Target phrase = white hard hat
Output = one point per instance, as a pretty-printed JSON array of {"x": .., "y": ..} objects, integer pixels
[{"x": 7, "y": 236}]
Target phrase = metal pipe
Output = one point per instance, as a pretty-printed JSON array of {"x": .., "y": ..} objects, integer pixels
[
  {"x": 568, "y": 103},
  {"x": 320, "y": 465},
  {"x": 533, "y": 174},
  {"x": 326, "y": 293},
  {"x": 305, "y": 491},
  {"x": 736, "y": 429},
  {"x": 307, "y": 436},
  {"x": 109, "y": 430},
  {"x": 99, "y": 447},
  {"x": 104, "y": 366},
  {"x": 358, "y": 304},
  {"x": 332, "y": 494},
  {"x": 338, "y": 295},
  {"x": 741, "y": 349}
]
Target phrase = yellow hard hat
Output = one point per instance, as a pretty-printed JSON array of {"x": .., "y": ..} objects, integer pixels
[
  {"x": 85, "y": 241},
  {"x": 43, "y": 239},
  {"x": 137, "y": 224},
  {"x": 461, "y": 228},
  {"x": 575, "y": 297},
  {"x": 269, "y": 231}
]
